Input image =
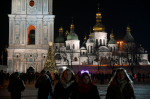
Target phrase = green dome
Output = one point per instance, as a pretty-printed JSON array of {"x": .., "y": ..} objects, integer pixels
[
  {"x": 128, "y": 38},
  {"x": 59, "y": 39},
  {"x": 72, "y": 36},
  {"x": 90, "y": 40},
  {"x": 112, "y": 41}
]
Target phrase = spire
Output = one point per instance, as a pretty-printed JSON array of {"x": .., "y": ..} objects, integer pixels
[
  {"x": 112, "y": 39},
  {"x": 60, "y": 38},
  {"x": 66, "y": 33},
  {"x": 72, "y": 35},
  {"x": 112, "y": 35},
  {"x": 98, "y": 27},
  {"x": 90, "y": 35},
  {"x": 128, "y": 37},
  {"x": 128, "y": 29},
  {"x": 98, "y": 16},
  {"x": 72, "y": 26}
]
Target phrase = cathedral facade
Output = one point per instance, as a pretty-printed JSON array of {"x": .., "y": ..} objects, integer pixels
[
  {"x": 31, "y": 28},
  {"x": 98, "y": 49}
]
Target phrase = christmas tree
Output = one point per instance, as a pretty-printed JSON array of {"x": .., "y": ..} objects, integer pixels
[{"x": 50, "y": 64}]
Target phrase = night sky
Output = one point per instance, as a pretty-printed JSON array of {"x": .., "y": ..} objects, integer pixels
[{"x": 116, "y": 15}]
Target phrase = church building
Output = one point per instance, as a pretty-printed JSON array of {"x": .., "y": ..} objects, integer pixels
[{"x": 31, "y": 28}]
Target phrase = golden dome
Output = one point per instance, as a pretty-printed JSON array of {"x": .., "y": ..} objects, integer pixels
[
  {"x": 61, "y": 30},
  {"x": 72, "y": 26},
  {"x": 90, "y": 36},
  {"x": 98, "y": 27},
  {"x": 112, "y": 36}
]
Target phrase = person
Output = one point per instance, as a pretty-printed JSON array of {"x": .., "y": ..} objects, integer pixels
[
  {"x": 139, "y": 77},
  {"x": 87, "y": 89},
  {"x": 1, "y": 78},
  {"x": 44, "y": 86},
  {"x": 16, "y": 86},
  {"x": 49, "y": 75},
  {"x": 78, "y": 77},
  {"x": 66, "y": 88},
  {"x": 120, "y": 86}
]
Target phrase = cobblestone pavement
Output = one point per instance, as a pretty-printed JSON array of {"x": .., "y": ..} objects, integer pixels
[{"x": 141, "y": 90}]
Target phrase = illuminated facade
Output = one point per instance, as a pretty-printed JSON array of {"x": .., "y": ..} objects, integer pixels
[
  {"x": 97, "y": 49},
  {"x": 31, "y": 28}
]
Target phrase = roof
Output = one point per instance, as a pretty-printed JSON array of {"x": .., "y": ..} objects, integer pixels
[
  {"x": 103, "y": 49},
  {"x": 72, "y": 36},
  {"x": 83, "y": 48},
  {"x": 112, "y": 41},
  {"x": 90, "y": 40},
  {"x": 59, "y": 39},
  {"x": 128, "y": 37}
]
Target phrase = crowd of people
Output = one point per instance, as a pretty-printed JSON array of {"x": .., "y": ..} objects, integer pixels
[{"x": 71, "y": 86}]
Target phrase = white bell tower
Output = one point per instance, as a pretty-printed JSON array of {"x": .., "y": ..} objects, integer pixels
[{"x": 31, "y": 28}]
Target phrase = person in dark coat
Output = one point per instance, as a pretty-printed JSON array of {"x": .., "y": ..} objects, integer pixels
[
  {"x": 67, "y": 87},
  {"x": 120, "y": 86},
  {"x": 87, "y": 89},
  {"x": 16, "y": 86},
  {"x": 44, "y": 86}
]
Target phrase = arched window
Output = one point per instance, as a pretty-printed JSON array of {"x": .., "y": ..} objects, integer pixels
[
  {"x": 83, "y": 53},
  {"x": 31, "y": 35},
  {"x": 96, "y": 42},
  {"x": 91, "y": 49},
  {"x": 100, "y": 42},
  {"x": 75, "y": 59},
  {"x": 73, "y": 46}
]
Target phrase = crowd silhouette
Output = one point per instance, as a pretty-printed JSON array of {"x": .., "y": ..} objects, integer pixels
[{"x": 68, "y": 85}]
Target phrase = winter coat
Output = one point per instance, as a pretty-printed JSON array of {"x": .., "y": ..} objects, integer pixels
[
  {"x": 66, "y": 90},
  {"x": 44, "y": 85},
  {"x": 15, "y": 87},
  {"x": 88, "y": 91},
  {"x": 118, "y": 90}
]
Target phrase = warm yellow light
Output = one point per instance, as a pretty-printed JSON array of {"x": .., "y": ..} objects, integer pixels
[
  {"x": 120, "y": 42},
  {"x": 50, "y": 43}
]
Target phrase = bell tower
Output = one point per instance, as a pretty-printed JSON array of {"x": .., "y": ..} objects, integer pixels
[{"x": 31, "y": 28}]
